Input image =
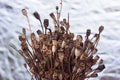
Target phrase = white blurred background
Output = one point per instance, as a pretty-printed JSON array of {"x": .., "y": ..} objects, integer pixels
[{"x": 84, "y": 14}]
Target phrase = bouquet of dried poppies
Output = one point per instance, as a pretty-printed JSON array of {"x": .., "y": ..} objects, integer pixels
[{"x": 56, "y": 54}]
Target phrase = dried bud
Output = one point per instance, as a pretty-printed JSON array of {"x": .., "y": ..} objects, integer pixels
[
  {"x": 63, "y": 44},
  {"x": 44, "y": 48},
  {"x": 39, "y": 32},
  {"x": 36, "y": 15},
  {"x": 94, "y": 51},
  {"x": 46, "y": 23},
  {"x": 96, "y": 35},
  {"x": 100, "y": 62},
  {"x": 95, "y": 59},
  {"x": 88, "y": 71},
  {"x": 33, "y": 37},
  {"x": 93, "y": 75},
  {"x": 79, "y": 37},
  {"x": 24, "y": 31},
  {"x": 88, "y": 32},
  {"x": 55, "y": 75},
  {"x": 77, "y": 53},
  {"x": 24, "y": 12},
  {"x": 53, "y": 16},
  {"x": 25, "y": 65},
  {"x": 72, "y": 35},
  {"x": 24, "y": 46},
  {"x": 100, "y": 67},
  {"x": 101, "y": 28},
  {"x": 62, "y": 29},
  {"x": 22, "y": 38},
  {"x": 64, "y": 21},
  {"x": 55, "y": 28},
  {"x": 57, "y": 7}
]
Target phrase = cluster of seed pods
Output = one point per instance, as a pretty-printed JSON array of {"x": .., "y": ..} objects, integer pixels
[{"x": 56, "y": 54}]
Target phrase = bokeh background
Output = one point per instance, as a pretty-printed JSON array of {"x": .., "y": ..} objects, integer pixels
[{"x": 84, "y": 14}]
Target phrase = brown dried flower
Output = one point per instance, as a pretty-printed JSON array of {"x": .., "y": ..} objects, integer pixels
[
  {"x": 37, "y": 16},
  {"x": 24, "y": 12}
]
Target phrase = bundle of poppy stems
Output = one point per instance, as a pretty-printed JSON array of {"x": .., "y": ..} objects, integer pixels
[{"x": 58, "y": 54}]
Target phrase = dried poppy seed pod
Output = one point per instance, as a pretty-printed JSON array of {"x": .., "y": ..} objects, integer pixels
[
  {"x": 62, "y": 30},
  {"x": 100, "y": 67},
  {"x": 49, "y": 52},
  {"x": 57, "y": 7},
  {"x": 33, "y": 37},
  {"x": 101, "y": 28},
  {"x": 77, "y": 53},
  {"x": 24, "y": 46},
  {"x": 53, "y": 17},
  {"x": 63, "y": 44},
  {"x": 94, "y": 51},
  {"x": 55, "y": 29},
  {"x": 46, "y": 23},
  {"x": 24, "y": 12},
  {"x": 88, "y": 32},
  {"x": 55, "y": 75},
  {"x": 72, "y": 35},
  {"x": 100, "y": 62},
  {"x": 44, "y": 48},
  {"x": 88, "y": 71},
  {"x": 64, "y": 21},
  {"x": 95, "y": 59},
  {"x": 39, "y": 32},
  {"x": 79, "y": 37},
  {"x": 36, "y": 15},
  {"x": 25, "y": 65},
  {"x": 22, "y": 38},
  {"x": 92, "y": 75}
]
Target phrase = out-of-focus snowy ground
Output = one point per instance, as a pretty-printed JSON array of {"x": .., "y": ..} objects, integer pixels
[{"x": 84, "y": 14}]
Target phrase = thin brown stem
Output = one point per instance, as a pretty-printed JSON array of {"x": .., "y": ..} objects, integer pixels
[{"x": 29, "y": 24}]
